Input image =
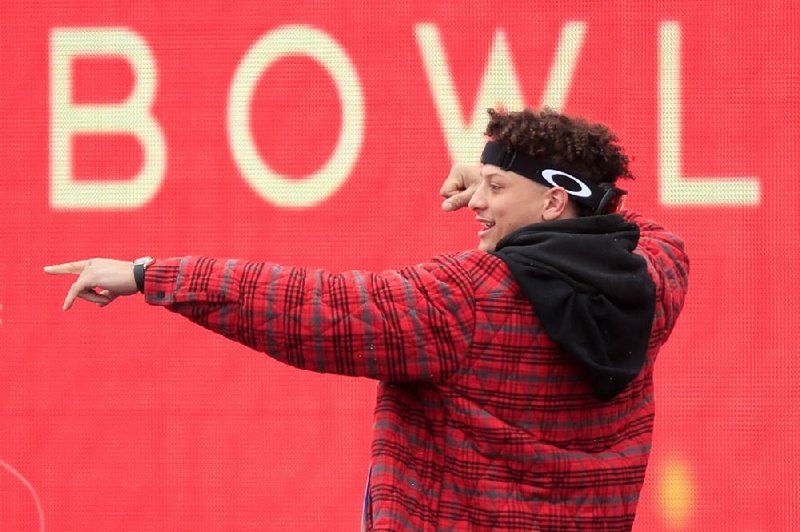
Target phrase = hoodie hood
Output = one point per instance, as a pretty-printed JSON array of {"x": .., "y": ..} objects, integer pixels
[{"x": 592, "y": 294}]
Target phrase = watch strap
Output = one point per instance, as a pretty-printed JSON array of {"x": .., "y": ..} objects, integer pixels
[
  {"x": 138, "y": 276},
  {"x": 139, "y": 266}
]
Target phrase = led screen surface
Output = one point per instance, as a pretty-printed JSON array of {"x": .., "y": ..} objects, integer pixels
[{"x": 318, "y": 134}]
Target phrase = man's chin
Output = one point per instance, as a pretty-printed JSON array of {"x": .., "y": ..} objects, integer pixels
[{"x": 486, "y": 246}]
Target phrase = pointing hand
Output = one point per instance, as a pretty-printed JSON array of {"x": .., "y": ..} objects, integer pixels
[{"x": 100, "y": 281}]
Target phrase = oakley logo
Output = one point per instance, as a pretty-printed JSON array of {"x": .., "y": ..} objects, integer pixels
[{"x": 551, "y": 176}]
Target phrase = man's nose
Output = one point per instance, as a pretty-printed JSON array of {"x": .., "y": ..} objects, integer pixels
[{"x": 477, "y": 201}]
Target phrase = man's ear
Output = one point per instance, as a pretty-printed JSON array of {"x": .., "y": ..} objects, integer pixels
[{"x": 556, "y": 204}]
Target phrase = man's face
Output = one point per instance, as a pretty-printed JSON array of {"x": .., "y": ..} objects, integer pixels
[{"x": 504, "y": 202}]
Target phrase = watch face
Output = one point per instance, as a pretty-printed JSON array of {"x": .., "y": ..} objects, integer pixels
[{"x": 144, "y": 260}]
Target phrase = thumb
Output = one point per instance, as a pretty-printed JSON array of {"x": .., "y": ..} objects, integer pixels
[{"x": 459, "y": 200}]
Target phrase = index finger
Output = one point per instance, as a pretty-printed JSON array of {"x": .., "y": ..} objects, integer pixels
[{"x": 68, "y": 267}]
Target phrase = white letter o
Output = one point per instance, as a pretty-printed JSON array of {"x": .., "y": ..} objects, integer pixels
[{"x": 272, "y": 186}]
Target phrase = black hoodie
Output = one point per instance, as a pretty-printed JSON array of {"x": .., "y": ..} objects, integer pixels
[{"x": 592, "y": 293}]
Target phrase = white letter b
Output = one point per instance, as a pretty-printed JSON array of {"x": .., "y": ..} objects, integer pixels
[{"x": 132, "y": 116}]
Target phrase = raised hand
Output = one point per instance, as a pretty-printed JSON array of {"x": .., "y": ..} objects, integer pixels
[{"x": 459, "y": 186}]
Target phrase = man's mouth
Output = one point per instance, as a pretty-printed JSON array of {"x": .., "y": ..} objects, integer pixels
[{"x": 486, "y": 225}]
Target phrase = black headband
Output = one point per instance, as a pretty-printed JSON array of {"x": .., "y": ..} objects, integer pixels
[{"x": 601, "y": 199}]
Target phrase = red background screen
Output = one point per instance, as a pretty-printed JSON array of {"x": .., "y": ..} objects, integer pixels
[{"x": 318, "y": 134}]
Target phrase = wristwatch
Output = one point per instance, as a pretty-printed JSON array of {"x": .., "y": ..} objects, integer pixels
[{"x": 139, "y": 266}]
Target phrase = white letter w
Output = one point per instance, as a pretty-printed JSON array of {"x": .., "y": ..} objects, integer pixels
[{"x": 499, "y": 85}]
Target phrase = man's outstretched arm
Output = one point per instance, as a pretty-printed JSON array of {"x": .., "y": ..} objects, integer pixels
[{"x": 410, "y": 324}]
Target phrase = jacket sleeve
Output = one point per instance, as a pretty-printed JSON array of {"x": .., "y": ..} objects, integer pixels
[
  {"x": 668, "y": 266},
  {"x": 406, "y": 325}
]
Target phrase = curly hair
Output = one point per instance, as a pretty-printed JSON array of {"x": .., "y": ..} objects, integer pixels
[{"x": 588, "y": 150}]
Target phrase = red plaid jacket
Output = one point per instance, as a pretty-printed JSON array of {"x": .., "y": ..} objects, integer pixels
[{"x": 481, "y": 422}]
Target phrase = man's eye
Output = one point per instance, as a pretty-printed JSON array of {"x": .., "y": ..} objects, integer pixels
[{"x": 494, "y": 187}]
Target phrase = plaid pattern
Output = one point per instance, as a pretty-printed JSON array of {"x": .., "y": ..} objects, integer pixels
[{"x": 481, "y": 423}]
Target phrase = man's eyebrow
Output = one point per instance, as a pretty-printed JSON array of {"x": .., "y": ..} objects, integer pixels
[{"x": 491, "y": 173}]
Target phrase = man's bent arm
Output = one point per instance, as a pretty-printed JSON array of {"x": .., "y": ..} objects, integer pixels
[{"x": 405, "y": 325}]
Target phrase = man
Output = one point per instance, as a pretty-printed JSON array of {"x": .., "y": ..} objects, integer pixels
[{"x": 516, "y": 384}]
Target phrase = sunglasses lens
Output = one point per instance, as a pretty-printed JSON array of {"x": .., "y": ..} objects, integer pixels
[{"x": 616, "y": 204}]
